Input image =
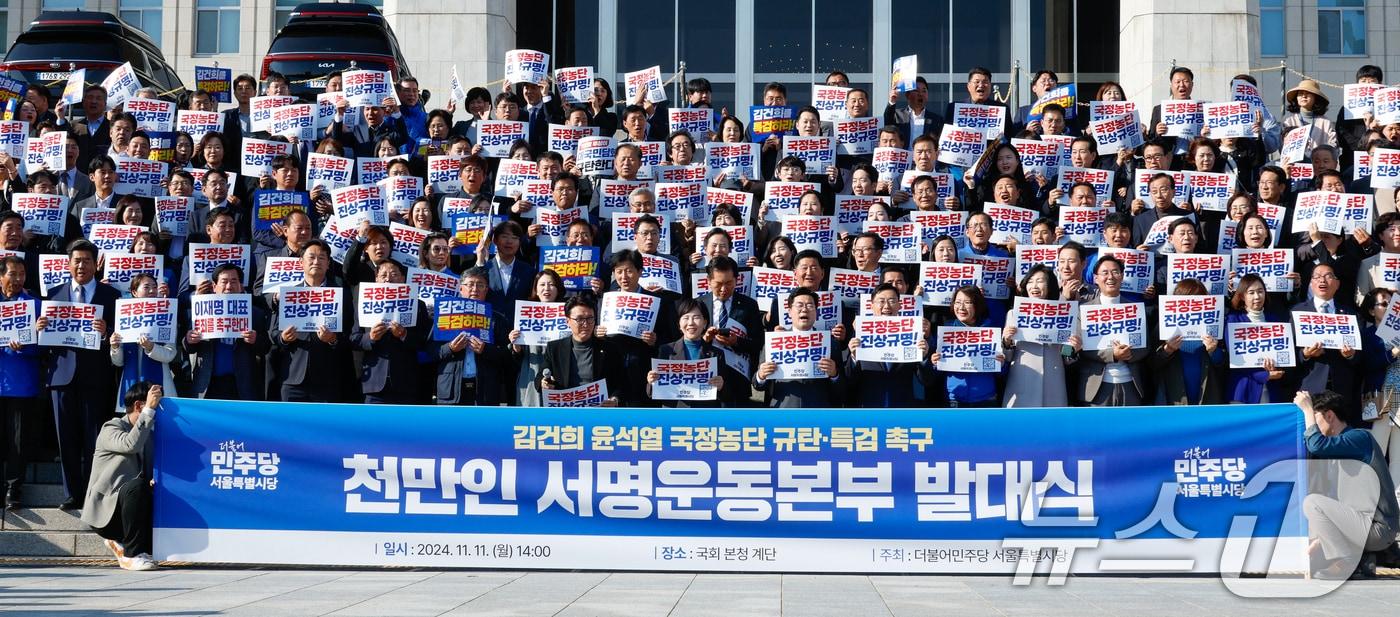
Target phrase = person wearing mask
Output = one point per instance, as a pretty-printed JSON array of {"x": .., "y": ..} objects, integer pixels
[{"x": 118, "y": 499}]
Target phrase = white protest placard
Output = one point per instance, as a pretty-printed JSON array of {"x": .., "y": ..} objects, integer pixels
[
  {"x": 1116, "y": 133},
  {"x": 698, "y": 123},
  {"x": 260, "y": 110},
  {"x": 53, "y": 272},
  {"x": 121, "y": 85},
  {"x": 1101, "y": 179},
  {"x": 408, "y": 241},
  {"x": 280, "y": 272},
  {"x": 830, "y": 101},
  {"x": 1360, "y": 164},
  {"x": 1246, "y": 92},
  {"x": 628, "y": 314},
  {"x": 139, "y": 177},
  {"x": 1251, "y": 344},
  {"x": 1209, "y": 191},
  {"x": 33, "y": 155},
  {"x": 685, "y": 380},
  {"x": 1295, "y": 146},
  {"x": 734, "y": 160},
  {"x": 326, "y": 103},
  {"x": 564, "y": 139},
  {"x": 613, "y": 196},
  {"x": 14, "y": 137},
  {"x": 785, "y": 198},
  {"x": 662, "y": 272},
  {"x": 1357, "y": 100},
  {"x": 204, "y": 259},
  {"x": 1233, "y": 119},
  {"x": 969, "y": 349},
  {"x": 119, "y": 269},
  {"x": 198, "y": 123},
  {"x": 367, "y": 88},
  {"x": 1031, "y": 255},
  {"x": 575, "y": 84},
  {"x": 401, "y": 191},
  {"x": 1138, "y": 267},
  {"x": 1321, "y": 208},
  {"x": 73, "y": 88},
  {"x": 1102, "y": 110},
  {"x": 114, "y": 238},
  {"x": 1385, "y": 168},
  {"x": 935, "y": 223},
  {"x": 497, "y": 136},
  {"x": 797, "y": 354},
  {"x": 901, "y": 240},
  {"x": 362, "y": 202},
  {"x": 1209, "y": 270},
  {"x": 53, "y": 148},
  {"x": 1105, "y": 325},
  {"x": 595, "y": 156},
  {"x": 306, "y": 309},
  {"x": 940, "y": 281},
  {"x": 540, "y": 322},
  {"x": 909, "y": 306},
  {"x": 386, "y": 303},
  {"x": 17, "y": 321},
  {"x": 1160, "y": 230},
  {"x": 43, "y": 214},
  {"x": 511, "y": 175},
  {"x": 1191, "y": 317},
  {"x": 527, "y": 66},
  {"x": 1084, "y": 224},
  {"x": 554, "y": 224},
  {"x": 828, "y": 316},
  {"x": 996, "y": 272},
  {"x": 1332, "y": 330},
  {"x": 856, "y": 136},
  {"x": 646, "y": 80},
  {"x": 740, "y": 201},
  {"x": 152, "y": 317},
  {"x": 429, "y": 285},
  {"x": 1183, "y": 118},
  {"x": 1010, "y": 222},
  {"x": 152, "y": 115},
  {"x": 592, "y": 394},
  {"x": 989, "y": 119},
  {"x": 960, "y": 147},
  {"x": 294, "y": 121},
  {"x": 1388, "y": 330},
  {"x": 70, "y": 324},
  {"x": 891, "y": 163},
  {"x": 741, "y": 242},
  {"x": 889, "y": 339},
  {"x": 1049, "y": 322},
  {"x": 256, "y": 157},
  {"x": 444, "y": 173},
  {"x": 1385, "y": 106},
  {"x": 174, "y": 214},
  {"x": 817, "y": 153},
  {"x": 853, "y": 210},
  {"x": 815, "y": 233},
  {"x": 221, "y": 316},
  {"x": 850, "y": 285},
  {"x": 1272, "y": 265},
  {"x": 771, "y": 287},
  {"x": 1040, "y": 158}
]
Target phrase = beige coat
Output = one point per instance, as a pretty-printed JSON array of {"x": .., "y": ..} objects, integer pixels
[{"x": 120, "y": 449}]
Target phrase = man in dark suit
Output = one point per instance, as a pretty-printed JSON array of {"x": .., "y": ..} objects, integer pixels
[
  {"x": 884, "y": 385},
  {"x": 913, "y": 118},
  {"x": 1111, "y": 377},
  {"x": 81, "y": 381},
  {"x": 979, "y": 92},
  {"x": 736, "y": 327},
  {"x": 508, "y": 273},
  {"x": 389, "y": 363},
  {"x": 90, "y": 130},
  {"x": 1322, "y": 369},
  {"x": 102, "y": 179},
  {"x": 376, "y": 125},
  {"x": 472, "y": 371},
  {"x": 317, "y": 363},
  {"x": 73, "y": 182},
  {"x": 582, "y": 358},
  {"x": 228, "y": 369},
  {"x": 238, "y": 120},
  {"x": 824, "y": 391}
]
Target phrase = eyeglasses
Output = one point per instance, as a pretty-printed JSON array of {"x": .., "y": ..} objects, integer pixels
[
  {"x": 1325, "y": 277},
  {"x": 584, "y": 320},
  {"x": 886, "y": 301}
]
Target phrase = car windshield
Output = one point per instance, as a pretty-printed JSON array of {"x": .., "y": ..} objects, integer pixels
[
  {"x": 57, "y": 46},
  {"x": 341, "y": 38}
]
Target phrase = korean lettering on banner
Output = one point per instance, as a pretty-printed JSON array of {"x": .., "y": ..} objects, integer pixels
[
  {"x": 830, "y": 102},
  {"x": 1106, "y": 325},
  {"x": 53, "y": 272},
  {"x": 1246, "y": 92},
  {"x": 540, "y": 322},
  {"x": 828, "y": 316},
  {"x": 497, "y": 136},
  {"x": 1234, "y": 119},
  {"x": 969, "y": 350},
  {"x": 173, "y": 214},
  {"x": 909, "y": 306},
  {"x": 595, "y": 156},
  {"x": 1102, "y": 110},
  {"x": 1295, "y": 146},
  {"x": 1031, "y": 255},
  {"x": 934, "y": 223},
  {"x": 1300, "y": 172},
  {"x": 960, "y": 147},
  {"x": 153, "y": 317},
  {"x": 408, "y": 243},
  {"x": 849, "y": 285},
  {"x": 648, "y": 79},
  {"x": 1321, "y": 208},
  {"x": 43, "y": 214},
  {"x": 797, "y": 354},
  {"x": 1191, "y": 317},
  {"x": 741, "y": 239},
  {"x": 1388, "y": 330},
  {"x": 901, "y": 241},
  {"x": 14, "y": 137},
  {"x": 372, "y": 170},
  {"x": 1209, "y": 191},
  {"x": 653, "y": 154},
  {"x": 939, "y": 281},
  {"x": 326, "y": 103},
  {"x": 73, "y": 88},
  {"x": 699, "y": 123},
  {"x": 139, "y": 177},
  {"x": 308, "y": 308},
  {"x": 121, "y": 85},
  {"x": 294, "y": 121},
  {"x": 362, "y": 202},
  {"x": 989, "y": 119},
  {"x": 511, "y": 175},
  {"x": 853, "y": 210},
  {"x": 564, "y": 139},
  {"x": 1049, "y": 322},
  {"x": 1065, "y": 142},
  {"x": 367, "y": 88},
  {"x": 889, "y": 339},
  {"x": 1183, "y": 118},
  {"x": 271, "y": 206},
  {"x": 260, "y": 111},
  {"x": 662, "y": 272},
  {"x": 1142, "y": 182},
  {"x": 592, "y": 394},
  {"x": 1357, "y": 100},
  {"x": 53, "y": 148},
  {"x": 1385, "y": 167},
  {"x": 575, "y": 84},
  {"x": 1332, "y": 330},
  {"x": 387, "y": 303},
  {"x": 281, "y": 271},
  {"x": 119, "y": 269},
  {"x": 33, "y": 155},
  {"x": 257, "y": 156},
  {"x": 1211, "y": 270},
  {"x": 694, "y": 172},
  {"x": 1102, "y": 179},
  {"x": 995, "y": 274},
  {"x": 1116, "y": 133},
  {"x": 1251, "y": 344},
  {"x": 70, "y": 324},
  {"x": 216, "y": 81},
  {"x": 904, "y": 73},
  {"x": 1356, "y": 211},
  {"x": 1272, "y": 265},
  {"x": 614, "y": 196},
  {"x": 221, "y": 316},
  {"x": 817, "y": 153},
  {"x": 401, "y": 191},
  {"x": 17, "y": 322},
  {"x": 816, "y": 233},
  {"x": 527, "y": 66},
  {"x": 769, "y": 120},
  {"x": 1038, "y": 157},
  {"x": 742, "y": 201},
  {"x": 735, "y": 160},
  {"x": 1066, "y": 96},
  {"x": 429, "y": 285},
  {"x": 554, "y": 224},
  {"x": 470, "y": 229},
  {"x": 1138, "y": 267},
  {"x": 152, "y": 114},
  {"x": 205, "y": 258},
  {"x": 785, "y": 198},
  {"x": 444, "y": 172},
  {"x": 96, "y": 216},
  {"x": 1385, "y": 106},
  {"x": 1360, "y": 164},
  {"x": 1084, "y": 224},
  {"x": 114, "y": 238},
  {"x": 770, "y": 284},
  {"x": 856, "y": 136},
  {"x": 891, "y": 163},
  {"x": 1010, "y": 222},
  {"x": 628, "y": 314},
  {"x": 682, "y": 201},
  {"x": 1389, "y": 264},
  {"x": 685, "y": 380},
  {"x": 1158, "y": 232}
]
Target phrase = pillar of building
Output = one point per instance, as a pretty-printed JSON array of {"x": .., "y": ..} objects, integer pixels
[
  {"x": 1216, "y": 40},
  {"x": 473, "y": 36}
]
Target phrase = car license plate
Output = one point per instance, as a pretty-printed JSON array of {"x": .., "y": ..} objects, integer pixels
[
  {"x": 53, "y": 76},
  {"x": 319, "y": 84}
]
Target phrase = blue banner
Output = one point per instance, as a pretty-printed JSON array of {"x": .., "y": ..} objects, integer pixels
[
  {"x": 270, "y": 206},
  {"x": 737, "y": 489}
]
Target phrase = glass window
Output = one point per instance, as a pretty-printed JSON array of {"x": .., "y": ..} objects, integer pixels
[
  {"x": 646, "y": 35},
  {"x": 707, "y": 36},
  {"x": 782, "y": 38},
  {"x": 1341, "y": 27},
  {"x": 722, "y": 97},
  {"x": 919, "y": 27},
  {"x": 577, "y": 46},
  {"x": 216, "y": 27},
  {"x": 799, "y": 93},
  {"x": 981, "y": 35},
  {"x": 843, "y": 36},
  {"x": 283, "y": 13},
  {"x": 144, "y": 15},
  {"x": 1272, "y": 28},
  {"x": 65, "y": 5}
]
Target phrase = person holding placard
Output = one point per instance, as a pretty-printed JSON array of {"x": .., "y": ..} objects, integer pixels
[
  {"x": 1188, "y": 371},
  {"x": 1344, "y": 254},
  {"x": 1183, "y": 238},
  {"x": 583, "y": 357},
  {"x": 389, "y": 365},
  {"x": 547, "y": 287},
  {"x": 508, "y": 274},
  {"x": 1321, "y": 368},
  {"x": 315, "y": 363},
  {"x": 825, "y": 390},
  {"x": 371, "y": 247},
  {"x": 693, "y": 324},
  {"x": 1351, "y": 133},
  {"x": 949, "y": 389},
  {"x": 20, "y": 382},
  {"x": 736, "y": 326},
  {"x": 979, "y": 92},
  {"x": 635, "y": 354},
  {"x": 143, "y": 359},
  {"x": 1113, "y": 376},
  {"x": 1006, "y": 163},
  {"x": 472, "y": 371},
  {"x": 1383, "y": 268},
  {"x": 228, "y": 369},
  {"x": 913, "y": 118},
  {"x": 1250, "y": 304},
  {"x": 887, "y": 385},
  {"x": 471, "y": 170},
  {"x": 1307, "y": 106},
  {"x": 1163, "y": 192},
  {"x": 377, "y": 124},
  {"x": 1183, "y": 82},
  {"x": 1035, "y": 374}
]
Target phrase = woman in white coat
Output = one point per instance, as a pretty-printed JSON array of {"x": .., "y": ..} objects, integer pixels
[{"x": 1036, "y": 374}]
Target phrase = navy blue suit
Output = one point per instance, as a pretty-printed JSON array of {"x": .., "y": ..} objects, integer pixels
[
  {"x": 493, "y": 368},
  {"x": 247, "y": 361},
  {"x": 82, "y": 386},
  {"x": 502, "y": 297}
]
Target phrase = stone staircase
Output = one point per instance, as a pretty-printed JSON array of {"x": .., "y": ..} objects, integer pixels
[{"x": 39, "y": 529}]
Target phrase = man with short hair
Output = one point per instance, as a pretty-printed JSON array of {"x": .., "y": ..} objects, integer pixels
[
  {"x": 92, "y": 129},
  {"x": 582, "y": 357},
  {"x": 1183, "y": 82},
  {"x": 118, "y": 499},
  {"x": 228, "y": 369},
  {"x": 1319, "y": 368},
  {"x": 914, "y": 118},
  {"x": 736, "y": 328},
  {"x": 316, "y": 362},
  {"x": 472, "y": 371},
  {"x": 238, "y": 120},
  {"x": 823, "y": 391},
  {"x": 1110, "y": 377}
]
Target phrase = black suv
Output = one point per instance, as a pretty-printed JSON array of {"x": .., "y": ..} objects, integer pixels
[
  {"x": 58, "y": 42},
  {"x": 322, "y": 38}
]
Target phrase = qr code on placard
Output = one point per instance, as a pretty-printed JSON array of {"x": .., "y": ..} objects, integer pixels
[
  {"x": 25, "y": 337},
  {"x": 90, "y": 340},
  {"x": 164, "y": 334},
  {"x": 1135, "y": 339},
  {"x": 1282, "y": 356}
]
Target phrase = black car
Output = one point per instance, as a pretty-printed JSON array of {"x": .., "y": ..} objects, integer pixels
[
  {"x": 58, "y": 42},
  {"x": 323, "y": 38}
]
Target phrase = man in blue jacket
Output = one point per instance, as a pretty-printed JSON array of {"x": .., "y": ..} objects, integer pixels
[{"x": 19, "y": 383}]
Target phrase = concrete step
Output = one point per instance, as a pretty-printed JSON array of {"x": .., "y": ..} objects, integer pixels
[
  {"x": 42, "y": 519},
  {"x": 52, "y": 544},
  {"x": 42, "y": 495}
]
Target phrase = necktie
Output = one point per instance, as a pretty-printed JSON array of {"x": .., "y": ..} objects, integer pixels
[
  {"x": 82, "y": 294},
  {"x": 1327, "y": 308},
  {"x": 723, "y": 315}
]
